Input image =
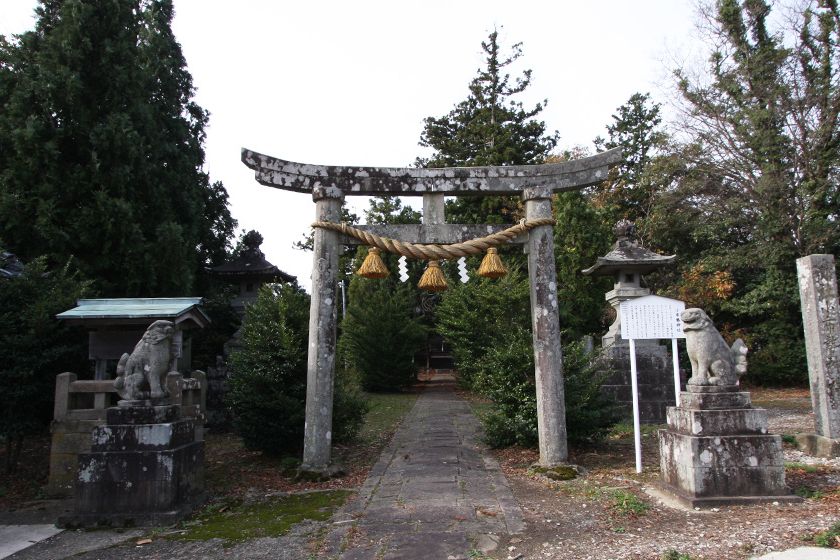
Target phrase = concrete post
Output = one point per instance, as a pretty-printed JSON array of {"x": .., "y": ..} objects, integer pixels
[
  {"x": 62, "y": 395},
  {"x": 545, "y": 322},
  {"x": 323, "y": 313},
  {"x": 433, "y": 209},
  {"x": 821, "y": 320}
]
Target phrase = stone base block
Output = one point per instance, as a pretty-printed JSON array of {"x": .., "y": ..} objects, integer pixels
[
  {"x": 818, "y": 446},
  {"x": 717, "y": 421},
  {"x": 139, "y": 473},
  {"x": 120, "y": 520},
  {"x": 692, "y": 502},
  {"x": 142, "y": 414},
  {"x": 655, "y": 377},
  {"x": 723, "y": 467},
  {"x": 721, "y": 400}
]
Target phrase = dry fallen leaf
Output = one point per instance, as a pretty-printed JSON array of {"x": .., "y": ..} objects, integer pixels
[{"x": 143, "y": 541}]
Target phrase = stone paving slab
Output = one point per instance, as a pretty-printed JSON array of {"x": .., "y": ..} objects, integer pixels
[
  {"x": 435, "y": 491},
  {"x": 802, "y": 553},
  {"x": 17, "y": 537}
]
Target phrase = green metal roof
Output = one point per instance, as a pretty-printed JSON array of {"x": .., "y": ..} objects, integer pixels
[{"x": 117, "y": 309}]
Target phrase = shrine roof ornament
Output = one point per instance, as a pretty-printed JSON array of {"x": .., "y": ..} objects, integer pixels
[{"x": 409, "y": 181}]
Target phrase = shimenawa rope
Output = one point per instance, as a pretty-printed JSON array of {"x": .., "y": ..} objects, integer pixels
[{"x": 436, "y": 252}]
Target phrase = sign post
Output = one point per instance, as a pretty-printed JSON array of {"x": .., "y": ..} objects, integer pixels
[{"x": 650, "y": 317}]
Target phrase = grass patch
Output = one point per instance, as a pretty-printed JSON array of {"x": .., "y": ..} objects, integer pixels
[
  {"x": 624, "y": 430},
  {"x": 620, "y": 501},
  {"x": 802, "y": 467},
  {"x": 627, "y": 503},
  {"x": 385, "y": 413},
  {"x": 789, "y": 439},
  {"x": 808, "y": 492},
  {"x": 236, "y": 521},
  {"x": 672, "y": 554},
  {"x": 829, "y": 538}
]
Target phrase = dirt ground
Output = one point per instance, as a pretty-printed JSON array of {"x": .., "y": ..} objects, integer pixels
[
  {"x": 609, "y": 514},
  {"x": 605, "y": 514}
]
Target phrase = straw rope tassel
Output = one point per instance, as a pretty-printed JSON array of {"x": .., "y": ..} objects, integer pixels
[
  {"x": 433, "y": 279},
  {"x": 492, "y": 265},
  {"x": 373, "y": 267}
]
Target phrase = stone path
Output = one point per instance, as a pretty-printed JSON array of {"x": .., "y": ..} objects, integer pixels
[
  {"x": 18, "y": 537},
  {"x": 435, "y": 492}
]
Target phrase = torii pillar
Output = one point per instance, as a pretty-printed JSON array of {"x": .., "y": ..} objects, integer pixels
[{"x": 329, "y": 184}]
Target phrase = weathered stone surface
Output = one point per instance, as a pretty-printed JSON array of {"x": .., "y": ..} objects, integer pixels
[
  {"x": 714, "y": 401},
  {"x": 626, "y": 263},
  {"x": 148, "y": 437},
  {"x": 142, "y": 414},
  {"x": 323, "y": 315},
  {"x": 720, "y": 422},
  {"x": 713, "y": 456},
  {"x": 139, "y": 474},
  {"x": 713, "y": 362},
  {"x": 452, "y": 181},
  {"x": 142, "y": 374},
  {"x": 821, "y": 319},
  {"x": 434, "y": 492},
  {"x": 548, "y": 357},
  {"x": 655, "y": 379},
  {"x": 817, "y": 445}
]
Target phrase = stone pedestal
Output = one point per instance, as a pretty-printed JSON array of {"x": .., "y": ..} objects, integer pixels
[
  {"x": 145, "y": 467},
  {"x": 655, "y": 374},
  {"x": 716, "y": 451}
]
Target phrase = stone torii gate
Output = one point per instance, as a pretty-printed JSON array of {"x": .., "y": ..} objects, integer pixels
[{"x": 328, "y": 186}]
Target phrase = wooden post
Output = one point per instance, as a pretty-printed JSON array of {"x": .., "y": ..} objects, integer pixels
[
  {"x": 323, "y": 314},
  {"x": 545, "y": 322}
]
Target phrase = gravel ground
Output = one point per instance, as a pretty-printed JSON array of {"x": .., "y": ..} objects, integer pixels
[{"x": 579, "y": 520}]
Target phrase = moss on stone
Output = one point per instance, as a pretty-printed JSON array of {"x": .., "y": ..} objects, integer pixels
[
  {"x": 237, "y": 520},
  {"x": 559, "y": 472}
]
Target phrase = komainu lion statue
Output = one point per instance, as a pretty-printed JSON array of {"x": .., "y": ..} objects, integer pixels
[
  {"x": 142, "y": 374},
  {"x": 712, "y": 361}
]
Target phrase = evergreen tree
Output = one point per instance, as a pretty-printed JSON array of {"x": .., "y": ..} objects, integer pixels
[
  {"x": 101, "y": 149},
  {"x": 36, "y": 348},
  {"x": 488, "y": 128},
  {"x": 628, "y": 193},
  {"x": 754, "y": 185},
  {"x": 268, "y": 386},
  {"x": 381, "y": 334}
]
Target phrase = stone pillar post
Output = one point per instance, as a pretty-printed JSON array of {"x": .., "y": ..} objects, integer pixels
[
  {"x": 545, "y": 323},
  {"x": 821, "y": 319},
  {"x": 323, "y": 313}
]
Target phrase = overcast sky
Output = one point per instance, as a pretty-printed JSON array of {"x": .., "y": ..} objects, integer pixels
[{"x": 349, "y": 83}]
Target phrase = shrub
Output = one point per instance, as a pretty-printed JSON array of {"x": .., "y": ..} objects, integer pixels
[
  {"x": 268, "y": 386},
  {"x": 507, "y": 376},
  {"x": 381, "y": 334},
  {"x": 36, "y": 348},
  {"x": 488, "y": 325},
  {"x": 473, "y": 317}
]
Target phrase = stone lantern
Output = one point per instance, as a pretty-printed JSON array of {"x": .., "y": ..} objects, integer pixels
[
  {"x": 249, "y": 271},
  {"x": 626, "y": 263}
]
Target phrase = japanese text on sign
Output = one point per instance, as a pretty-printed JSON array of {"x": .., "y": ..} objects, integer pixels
[{"x": 651, "y": 317}]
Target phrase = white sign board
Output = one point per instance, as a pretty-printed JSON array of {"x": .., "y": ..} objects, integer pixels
[{"x": 651, "y": 317}]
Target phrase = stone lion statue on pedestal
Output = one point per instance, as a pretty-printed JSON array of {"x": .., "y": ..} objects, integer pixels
[
  {"x": 713, "y": 362},
  {"x": 141, "y": 375}
]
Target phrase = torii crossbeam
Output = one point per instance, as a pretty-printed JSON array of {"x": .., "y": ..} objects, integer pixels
[{"x": 328, "y": 186}]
